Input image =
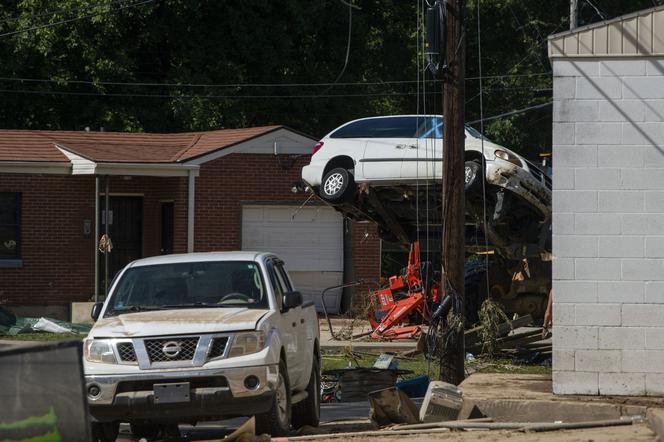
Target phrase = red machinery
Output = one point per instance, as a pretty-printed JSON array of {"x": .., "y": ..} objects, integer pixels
[{"x": 403, "y": 303}]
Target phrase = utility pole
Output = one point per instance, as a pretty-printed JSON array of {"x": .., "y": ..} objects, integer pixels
[
  {"x": 452, "y": 367},
  {"x": 573, "y": 8}
]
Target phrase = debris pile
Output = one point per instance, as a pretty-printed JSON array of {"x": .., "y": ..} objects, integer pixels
[{"x": 13, "y": 325}]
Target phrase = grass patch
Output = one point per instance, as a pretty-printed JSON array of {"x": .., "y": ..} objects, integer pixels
[
  {"x": 42, "y": 336},
  {"x": 421, "y": 366}
]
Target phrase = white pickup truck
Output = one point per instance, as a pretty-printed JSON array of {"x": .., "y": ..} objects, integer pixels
[{"x": 203, "y": 336}]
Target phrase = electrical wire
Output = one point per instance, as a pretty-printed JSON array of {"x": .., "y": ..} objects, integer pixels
[
  {"x": 70, "y": 20},
  {"x": 514, "y": 112},
  {"x": 482, "y": 168},
  {"x": 234, "y": 97},
  {"x": 350, "y": 31},
  {"x": 246, "y": 85},
  {"x": 60, "y": 11}
]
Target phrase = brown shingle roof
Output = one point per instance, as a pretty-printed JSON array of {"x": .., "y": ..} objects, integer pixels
[{"x": 29, "y": 145}]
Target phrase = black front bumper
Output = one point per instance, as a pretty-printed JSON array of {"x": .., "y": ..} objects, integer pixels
[{"x": 205, "y": 404}]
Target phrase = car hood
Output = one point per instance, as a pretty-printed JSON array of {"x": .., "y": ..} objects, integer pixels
[{"x": 177, "y": 322}]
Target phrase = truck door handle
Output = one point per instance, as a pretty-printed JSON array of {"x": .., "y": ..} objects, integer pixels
[
  {"x": 412, "y": 146},
  {"x": 294, "y": 324},
  {"x": 302, "y": 321},
  {"x": 401, "y": 146}
]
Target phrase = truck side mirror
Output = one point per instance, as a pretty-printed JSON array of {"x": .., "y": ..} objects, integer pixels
[
  {"x": 96, "y": 310},
  {"x": 292, "y": 299}
]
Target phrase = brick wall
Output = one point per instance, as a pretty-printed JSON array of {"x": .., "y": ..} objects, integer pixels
[
  {"x": 224, "y": 184},
  {"x": 608, "y": 226},
  {"x": 58, "y": 259}
]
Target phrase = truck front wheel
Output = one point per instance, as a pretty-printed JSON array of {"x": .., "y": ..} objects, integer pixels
[
  {"x": 276, "y": 422},
  {"x": 307, "y": 412}
]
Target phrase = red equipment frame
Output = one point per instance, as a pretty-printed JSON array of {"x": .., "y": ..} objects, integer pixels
[{"x": 395, "y": 319}]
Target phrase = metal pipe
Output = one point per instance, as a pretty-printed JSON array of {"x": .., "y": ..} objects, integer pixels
[
  {"x": 191, "y": 196},
  {"x": 322, "y": 300},
  {"x": 107, "y": 215},
  {"x": 96, "y": 239}
]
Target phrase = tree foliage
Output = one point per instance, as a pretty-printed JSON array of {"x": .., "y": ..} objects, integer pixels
[{"x": 273, "y": 62}]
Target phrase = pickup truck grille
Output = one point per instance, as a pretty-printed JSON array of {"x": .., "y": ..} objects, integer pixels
[
  {"x": 126, "y": 352},
  {"x": 218, "y": 347},
  {"x": 175, "y": 349}
]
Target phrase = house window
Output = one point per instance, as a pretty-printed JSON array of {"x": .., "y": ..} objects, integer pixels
[{"x": 10, "y": 226}]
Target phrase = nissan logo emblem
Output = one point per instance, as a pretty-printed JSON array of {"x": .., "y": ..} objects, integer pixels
[{"x": 171, "y": 349}]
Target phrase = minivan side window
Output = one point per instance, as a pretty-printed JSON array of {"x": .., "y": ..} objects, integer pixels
[{"x": 388, "y": 127}]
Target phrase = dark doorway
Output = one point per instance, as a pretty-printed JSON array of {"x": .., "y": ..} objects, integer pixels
[
  {"x": 167, "y": 215},
  {"x": 126, "y": 232}
]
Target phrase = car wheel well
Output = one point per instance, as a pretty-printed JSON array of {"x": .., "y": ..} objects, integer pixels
[
  {"x": 342, "y": 161},
  {"x": 474, "y": 156}
]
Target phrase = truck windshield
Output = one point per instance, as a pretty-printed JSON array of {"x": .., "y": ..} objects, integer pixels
[{"x": 189, "y": 285}]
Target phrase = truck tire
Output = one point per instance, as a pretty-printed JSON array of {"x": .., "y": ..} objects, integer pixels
[
  {"x": 338, "y": 186},
  {"x": 276, "y": 422},
  {"x": 105, "y": 431},
  {"x": 307, "y": 412}
]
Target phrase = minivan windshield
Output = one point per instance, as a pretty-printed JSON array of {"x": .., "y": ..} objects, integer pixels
[{"x": 217, "y": 284}]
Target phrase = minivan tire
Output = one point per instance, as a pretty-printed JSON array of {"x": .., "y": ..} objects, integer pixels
[
  {"x": 338, "y": 186},
  {"x": 473, "y": 177}
]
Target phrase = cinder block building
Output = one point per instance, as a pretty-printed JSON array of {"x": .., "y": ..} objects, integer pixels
[
  {"x": 168, "y": 193},
  {"x": 608, "y": 206}
]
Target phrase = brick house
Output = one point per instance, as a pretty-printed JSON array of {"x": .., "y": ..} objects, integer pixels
[
  {"x": 608, "y": 206},
  {"x": 168, "y": 193}
]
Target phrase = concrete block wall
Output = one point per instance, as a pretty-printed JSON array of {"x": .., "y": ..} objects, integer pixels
[{"x": 608, "y": 226}]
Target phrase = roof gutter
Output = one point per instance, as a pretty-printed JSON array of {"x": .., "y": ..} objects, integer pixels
[{"x": 36, "y": 167}]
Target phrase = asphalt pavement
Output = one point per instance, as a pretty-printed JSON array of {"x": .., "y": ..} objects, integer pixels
[{"x": 330, "y": 412}]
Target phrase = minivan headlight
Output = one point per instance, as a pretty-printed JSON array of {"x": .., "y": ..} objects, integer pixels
[
  {"x": 99, "y": 350},
  {"x": 504, "y": 155},
  {"x": 247, "y": 343}
]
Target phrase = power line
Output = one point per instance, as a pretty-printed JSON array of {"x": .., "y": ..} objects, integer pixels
[
  {"x": 514, "y": 112},
  {"x": 70, "y": 20},
  {"x": 236, "y": 97},
  {"x": 233, "y": 97},
  {"x": 60, "y": 11},
  {"x": 247, "y": 85}
]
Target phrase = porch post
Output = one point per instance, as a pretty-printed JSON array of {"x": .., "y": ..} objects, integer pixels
[
  {"x": 191, "y": 196},
  {"x": 96, "y": 241}
]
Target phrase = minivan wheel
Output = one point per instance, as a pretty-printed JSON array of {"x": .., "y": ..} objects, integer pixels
[
  {"x": 473, "y": 177},
  {"x": 338, "y": 185}
]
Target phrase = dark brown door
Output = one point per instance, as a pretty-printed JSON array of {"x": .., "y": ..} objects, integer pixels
[
  {"x": 126, "y": 232},
  {"x": 167, "y": 215}
]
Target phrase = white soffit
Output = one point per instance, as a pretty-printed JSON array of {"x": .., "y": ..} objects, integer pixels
[{"x": 84, "y": 166}]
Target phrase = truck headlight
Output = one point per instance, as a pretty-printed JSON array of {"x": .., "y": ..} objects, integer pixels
[
  {"x": 503, "y": 155},
  {"x": 99, "y": 350},
  {"x": 246, "y": 343}
]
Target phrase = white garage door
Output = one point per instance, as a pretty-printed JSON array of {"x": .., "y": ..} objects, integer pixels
[{"x": 308, "y": 239}]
